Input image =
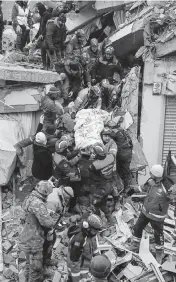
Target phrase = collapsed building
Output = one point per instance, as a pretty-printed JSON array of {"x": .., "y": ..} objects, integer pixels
[{"x": 143, "y": 36}]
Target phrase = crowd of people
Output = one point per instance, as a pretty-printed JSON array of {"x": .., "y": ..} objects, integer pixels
[{"x": 89, "y": 77}]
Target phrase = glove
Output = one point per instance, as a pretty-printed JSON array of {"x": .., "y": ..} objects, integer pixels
[
  {"x": 19, "y": 151},
  {"x": 40, "y": 37},
  {"x": 18, "y": 29},
  {"x": 50, "y": 235}
]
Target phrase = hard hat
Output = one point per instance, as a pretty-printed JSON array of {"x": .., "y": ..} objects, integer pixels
[
  {"x": 60, "y": 146},
  {"x": 94, "y": 42},
  {"x": 67, "y": 138},
  {"x": 99, "y": 150},
  {"x": 157, "y": 170},
  {"x": 111, "y": 124},
  {"x": 44, "y": 187},
  {"x": 40, "y": 138},
  {"x": 109, "y": 50},
  {"x": 95, "y": 222},
  {"x": 100, "y": 266},
  {"x": 96, "y": 90},
  {"x": 106, "y": 131},
  {"x": 67, "y": 192}
]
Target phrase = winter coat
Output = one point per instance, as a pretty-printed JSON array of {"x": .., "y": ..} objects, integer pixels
[
  {"x": 106, "y": 69},
  {"x": 38, "y": 222},
  {"x": 102, "y": 170},
  {"x": 43, "y": 22},
  {"x": 83, "y": 101},
  {"x": 122, "y": 139},
  {"x": 42, "y": 163},
  {"x": 81, "y": 249},
  {"x": 111, "y": 148},
  {"x": 55, "y": 201},
  {"x": 49, "y": 109},
  {"x": 157, "y": 199},
  {"x": 55, "y": 35},
  {"x": 74, "y": 48},
  {"x": 18, "y": 11},
  {"x": 75, "y": 81}
]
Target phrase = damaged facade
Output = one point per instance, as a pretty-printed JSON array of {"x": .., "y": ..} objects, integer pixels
[{"x": 142, "y": 34}]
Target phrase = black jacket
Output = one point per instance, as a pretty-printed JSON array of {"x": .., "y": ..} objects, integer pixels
[{"x": 42, "y": 163}]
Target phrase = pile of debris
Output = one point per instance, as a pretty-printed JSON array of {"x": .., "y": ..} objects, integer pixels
[{"x": 114, "y": 242}]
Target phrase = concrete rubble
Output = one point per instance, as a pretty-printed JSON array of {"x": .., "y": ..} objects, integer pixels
[{"x": 114, "y": 242}]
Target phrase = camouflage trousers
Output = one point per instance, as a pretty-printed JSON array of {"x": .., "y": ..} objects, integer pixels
[{"x": 34, "y": 267}]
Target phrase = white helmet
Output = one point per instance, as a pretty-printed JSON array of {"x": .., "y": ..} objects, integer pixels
[
  {"x": 157, "y": 170},
  {"x": 41, "y": 138}
]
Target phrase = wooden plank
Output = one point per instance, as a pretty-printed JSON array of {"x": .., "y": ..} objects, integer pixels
[{"x": 163, "y": 49}]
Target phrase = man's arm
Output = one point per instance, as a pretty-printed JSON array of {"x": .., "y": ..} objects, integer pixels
[{"x": 43, "y": 215}]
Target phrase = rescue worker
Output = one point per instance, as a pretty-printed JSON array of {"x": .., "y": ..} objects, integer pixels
[
  {"x": 48, "y": 105},
  {"x": 93, "y": 51},
  {"x": 124, "y": 154},
  {"x": 87, "y": 98},
  {"x": 45, "y": 15},
  {"x": 37, "y": 229},
  {"x": 157, "y": 195},
  {"x": 55, "y": 38},
  {"x": 42, "y": 162},
  {"x": 111, "y": 148},
  {"x": 82, "y": 247},
  {"x": 102, "y": 176},
  {"x": 111, "y": 94},
  {"x": 107, "y": 67},
  {"x": 50, "y": 132},
  {"x": 74, "y": 72},
  {"x": 85, "y": 63},
  {"x": 100, "y": 268},
  {"x": 62, "y": 169},
  {"x": 58, "y": 200},
  {"x": 22, "y": 23},
  {"x": 75, "y": 46}
]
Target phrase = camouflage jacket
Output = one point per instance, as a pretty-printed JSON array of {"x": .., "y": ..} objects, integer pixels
[{"x": 38, "y": 222}]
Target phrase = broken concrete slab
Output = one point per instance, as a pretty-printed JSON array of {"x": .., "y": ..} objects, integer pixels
[
  {"x": 17, "y": 73},
  {"x": 57, "y": 277},
  {"x": 7, "y": 246}
]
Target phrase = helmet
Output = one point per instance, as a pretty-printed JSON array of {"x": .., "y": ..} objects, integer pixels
[
  {"x": 157, "y": 170},
  {"x": 67, "y": 138},
  {"x": 99, "y": 150},
  {"x": 100, "y": 266},
  {"x": 85, "y": 57},
  {"x": 94, "y": 42},
  {"x": 109, "y": 50},
  {"x": 60, "y": 146},
  {"x": 106, "y": 131},
  {"x": 67, "y": 192},
  {"x": 96, "y": 90},
  {"x": 44, "y": 187},
  {"x": 80, "y": 33},
  {"x": 111, "y": 124},
  {"x": 40, "y": 138},
  {"x": 95, "y": 222}
]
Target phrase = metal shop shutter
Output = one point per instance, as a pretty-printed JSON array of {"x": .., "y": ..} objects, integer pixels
[{"x": 169, "y": 141}]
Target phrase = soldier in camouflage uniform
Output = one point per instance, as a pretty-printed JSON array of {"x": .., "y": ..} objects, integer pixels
[{"x": 37, "y": 229}]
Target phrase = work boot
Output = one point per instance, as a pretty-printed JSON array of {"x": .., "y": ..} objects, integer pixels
[
  {"x": 135, "y": 245},
  {"x": 159, "y": 255},
  {"x": 51, "y": 262}
]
